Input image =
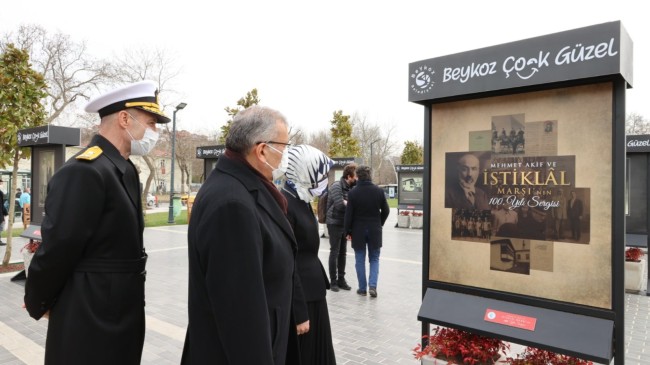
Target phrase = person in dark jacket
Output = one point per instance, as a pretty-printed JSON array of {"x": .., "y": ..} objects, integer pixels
[
  {"x": 365, "y": 216},
  {"x": 241, "y": 252},
  {"x": 336, "y": 202},
  {"x": 87, "y": 276},
  {"x": 3, "y": 211},
  {"x": 574, "y": 213},
  {"x": 307, "y": 178}
]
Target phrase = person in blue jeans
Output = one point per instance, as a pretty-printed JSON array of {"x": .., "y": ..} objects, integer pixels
[
  {"x": 366, "y": 213},
  {"x": 25, "y": 206}
]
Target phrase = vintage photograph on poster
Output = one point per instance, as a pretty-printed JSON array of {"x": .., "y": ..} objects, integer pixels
[
  {"x": 471, "y": 225},
  {"x": 46, "y": 170},
  {"x": 410, "y": 188},
  {"x": 578, "y": 207},
  {"x": 510, "y": 255},
  {"x": 463, "y": 188},
  {"x": 526, "y": 195},
  {"x": 480, "y": 140},
  {"x": 508, "y": 134},
  {"x": 411, "y": 184},
  {"x": 541, "y": 138},
  {"x": 541, "y": 256}
]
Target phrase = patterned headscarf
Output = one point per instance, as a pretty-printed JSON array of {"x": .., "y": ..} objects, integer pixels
[{"x": 308, "y": 168}]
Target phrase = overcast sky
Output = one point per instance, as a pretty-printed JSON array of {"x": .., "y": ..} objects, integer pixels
[{"x": 309, "y": 59}]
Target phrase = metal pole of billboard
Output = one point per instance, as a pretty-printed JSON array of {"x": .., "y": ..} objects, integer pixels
[{"x": 170, "y": 218}]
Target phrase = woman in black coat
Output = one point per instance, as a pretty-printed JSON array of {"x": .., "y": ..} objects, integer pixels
[{"x": 307, "y": 174}]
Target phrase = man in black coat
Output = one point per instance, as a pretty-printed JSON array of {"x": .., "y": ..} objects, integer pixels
[
  {"x": 574, "y": 213},
  {"x": 242, "y": 252},
  {"x": 88, "y": 274},
  {"x": 336, "y": 202},
  {"x": 365, "y": 216}
]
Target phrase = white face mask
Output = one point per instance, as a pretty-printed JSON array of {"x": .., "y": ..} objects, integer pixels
[
  {"x": 279, "y": 171},
  {"x": 146, "y": 144},
  {"x": 307, "y": 194},
  {"x": 317, "y": 191}
]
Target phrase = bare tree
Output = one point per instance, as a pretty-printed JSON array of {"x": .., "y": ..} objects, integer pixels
[
  {"x": 69, "y": 71},
  {"x": 296, "y": 136},
  {"x": 320, "y": 140},
  {"x": 636, "y": 124},
  {"x": 158, "y": 65},
  {"x": 374, "y": 140},
  {"x": 150, "y": 64},
  {"x": 186, "y": 144}
]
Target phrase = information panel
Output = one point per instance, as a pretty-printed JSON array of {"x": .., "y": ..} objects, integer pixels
[{"x": 529, "y": 211}]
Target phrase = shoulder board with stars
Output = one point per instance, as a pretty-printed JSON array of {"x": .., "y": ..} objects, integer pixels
[{"x": 90, "y": 154}]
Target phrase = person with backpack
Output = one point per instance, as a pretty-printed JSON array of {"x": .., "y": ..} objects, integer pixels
[
  {"x": 336, "y": 202},
  {"x": 321, "y": 211}
]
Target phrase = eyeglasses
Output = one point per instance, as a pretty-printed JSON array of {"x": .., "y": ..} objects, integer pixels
[{"x": 274, "y": 142}]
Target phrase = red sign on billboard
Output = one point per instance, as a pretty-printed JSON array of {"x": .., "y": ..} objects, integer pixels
[{"x": 510, "y": 319}]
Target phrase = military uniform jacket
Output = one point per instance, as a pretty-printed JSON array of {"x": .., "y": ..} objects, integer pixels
[
  {"x": 89, "y": 270},
  {"x": 241, "y": 273}
]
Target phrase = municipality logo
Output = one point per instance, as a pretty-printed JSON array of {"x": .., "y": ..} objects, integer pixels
[
  {"x": 422, "y": 79},
  {"x": 20, "y": 137}
]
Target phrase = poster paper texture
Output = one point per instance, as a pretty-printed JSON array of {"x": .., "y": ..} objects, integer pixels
[{"x": 524, "y": 203}]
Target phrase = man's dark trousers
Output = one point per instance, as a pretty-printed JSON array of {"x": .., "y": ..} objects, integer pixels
[{"x": 338, "y": 249}]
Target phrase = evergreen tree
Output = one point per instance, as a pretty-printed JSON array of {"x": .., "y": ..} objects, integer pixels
[
  {"x": 413, "y": 153},
  {"x": 22, "y": 91},
  {"x": 249, "y": 100},
  {"x": 342, "y": 143}
]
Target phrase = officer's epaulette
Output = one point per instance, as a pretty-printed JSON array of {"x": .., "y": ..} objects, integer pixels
[{"x": 90, "y": 154}]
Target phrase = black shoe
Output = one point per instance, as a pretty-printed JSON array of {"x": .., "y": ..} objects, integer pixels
[
  {"x": 373, "y": 292},
  {"x": 344, "y": 285},
  {"x": 334, "y": 287},
  {"x": 361, "y": 292}
]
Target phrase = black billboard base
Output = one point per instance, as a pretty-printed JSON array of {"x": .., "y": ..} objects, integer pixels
[
  {"x": 572, "y": 334},
  {"x": 20, "y": 276}
]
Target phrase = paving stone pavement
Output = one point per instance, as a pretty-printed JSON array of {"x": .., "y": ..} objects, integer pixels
[{"x": 365, "y": 330}]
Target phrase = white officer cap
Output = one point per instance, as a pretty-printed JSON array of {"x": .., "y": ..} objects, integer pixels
[{"x": 140, "y": 95}]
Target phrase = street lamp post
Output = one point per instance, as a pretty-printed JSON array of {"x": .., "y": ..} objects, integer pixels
[
  {"x": 170, "y": 219},
  {"x": 371, "y": 169}
]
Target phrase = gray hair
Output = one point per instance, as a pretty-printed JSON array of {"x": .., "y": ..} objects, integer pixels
[
  {"x": 363, "y": 172},
  {"x": 252, "y": 125}
]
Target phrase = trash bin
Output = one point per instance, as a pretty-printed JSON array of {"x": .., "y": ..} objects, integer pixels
[{"x": 177, "y": 205}]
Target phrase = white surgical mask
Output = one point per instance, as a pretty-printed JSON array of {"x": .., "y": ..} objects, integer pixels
[
  {"x": 146, "y": 144},
  {"x": 279, "y": 171},
  {"x": 307, "y": 194},
  {"x": 317, "y": 191}
]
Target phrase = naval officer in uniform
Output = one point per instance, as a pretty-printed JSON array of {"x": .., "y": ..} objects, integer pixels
[{"x": 88, "y": 274}]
